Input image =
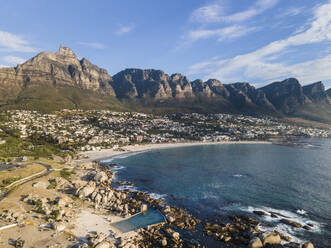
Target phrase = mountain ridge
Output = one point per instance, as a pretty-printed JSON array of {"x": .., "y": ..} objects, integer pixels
[{"x": 79, "y": 83}]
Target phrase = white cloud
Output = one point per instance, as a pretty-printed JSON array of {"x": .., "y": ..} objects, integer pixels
[
  {"x": 12, "y": 42},
  {"x": 216, "y": 12},
  {"x": 261, "y": 63},
  {"x": 229, "y": 32},
  {"x": 13, "y": 60},
  {"x": 2, "y": 66},
  {"x": 293, "y": 11},
  {"x": 123, "y": 29},
  {"x": 95, "y": 45}
]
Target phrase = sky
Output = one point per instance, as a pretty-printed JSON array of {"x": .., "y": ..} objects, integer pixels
[{"x": 255, "y": 41}]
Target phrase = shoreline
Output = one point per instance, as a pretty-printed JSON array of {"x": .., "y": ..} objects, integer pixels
[{"x": 110, "y": 153}]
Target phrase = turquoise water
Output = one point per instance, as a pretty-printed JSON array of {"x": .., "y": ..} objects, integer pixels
[
  {"x": 140, "y": 220},
  {"x": 235, "y": 178}
]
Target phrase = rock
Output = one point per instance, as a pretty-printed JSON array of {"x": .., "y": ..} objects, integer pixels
[
  {"x": 58, "y": 226},
  {"x": 61, "y": 201},
  {"x": 175, "y": 236},
  {"x": 103, "y": 244},
  {"x": 87, "y": 190},
  {"x": 270, "y": 238},
  {"x": 98, "y": 199},
  {"x": 291, "y": 223},
  {"x": 19, "y": 243},
  {"x": 227, "y": 239},
  {"x": 292, "y": 245},
  {"x": 260, "y": 213},
  {"x": 170, "y": 218},
  {"x": 308, "y": 245},
  {"x": 164, "y": 242},
  {"x": 255, "y": 243},
  {"x": 307, "y": 227},
  {"x": 101, "y": 177},
  {"x": 40, "y": 185},
  {"x": 144, "y": 208}
]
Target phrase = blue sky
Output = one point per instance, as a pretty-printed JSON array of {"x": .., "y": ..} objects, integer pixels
[{"x": 257, "y": 41}]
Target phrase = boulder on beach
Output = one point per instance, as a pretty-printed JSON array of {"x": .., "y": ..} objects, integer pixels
[
  {"x": 272, "y": 238},
  {"x": 255, "y": 243},
  {"x": 308, "y": 245}
]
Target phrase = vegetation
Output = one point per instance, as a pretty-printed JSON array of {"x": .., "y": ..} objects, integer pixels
[
  {"x": 52, "y": 184},
  {"x": 10, "y": 180},
  {"x": 66, "y": 173}
]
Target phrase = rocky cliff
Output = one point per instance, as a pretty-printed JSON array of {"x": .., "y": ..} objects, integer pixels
[{"x": 77, "y": 82}]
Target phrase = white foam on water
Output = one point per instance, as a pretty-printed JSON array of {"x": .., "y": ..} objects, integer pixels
[
  {"x": 285, "y": 214},
  {"x": 157, "y": 196},
  {"x": 129, "y": 187},
  {"x": 117, "y": 168},
  {"x": 275, "y": 223},
  {"x": 301, "y": 211},
  {"x": 121, "y": 156},
  {"x": 237, "y": 175},
  {"x": 284, "y": 229}
]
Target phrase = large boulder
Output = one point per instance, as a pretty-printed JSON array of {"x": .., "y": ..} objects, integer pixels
[
  {"x": 58, "y": 226},
  {"x": 101, "y": 177},
  {"x": 291, "y": 223},
  {"x": 308, "y": 245},
  {"x": 272, "y": 238},
  {"x": 255, "y": 243},
  {"x": 87, "y": 190},
  {"x": 103, "y": 244},
  {"x": 175, "y": 236}
]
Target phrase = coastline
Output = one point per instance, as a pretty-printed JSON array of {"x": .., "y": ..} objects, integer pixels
[
  {"x": 109, "y": 153},
  {"x": 211, "y": 229}
]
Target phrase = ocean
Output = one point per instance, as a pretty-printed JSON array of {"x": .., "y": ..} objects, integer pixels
[{"x": 209, "y": 180}]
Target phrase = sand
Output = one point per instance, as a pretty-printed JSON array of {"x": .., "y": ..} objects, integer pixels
[{"x": 108, "y": 153}]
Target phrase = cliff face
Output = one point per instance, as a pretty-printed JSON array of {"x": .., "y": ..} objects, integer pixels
[
  {"x": 60, "y": 68},
  {"x": 287, "y": 95},
  {"x": 316, "y": 92}
]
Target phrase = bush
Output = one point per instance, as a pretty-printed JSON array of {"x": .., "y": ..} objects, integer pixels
[
  {"x": 52, "y": 184},
  {"x": 66, "y": 174},
  {"x": 10, "y": 180}
]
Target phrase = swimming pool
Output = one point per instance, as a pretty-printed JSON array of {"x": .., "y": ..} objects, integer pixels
[{"x": 141, "y": 220}]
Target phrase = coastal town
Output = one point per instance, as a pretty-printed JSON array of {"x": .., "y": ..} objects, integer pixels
[
  {"x": 79, "y": 130},
  {"x": 54, "y": 192}
]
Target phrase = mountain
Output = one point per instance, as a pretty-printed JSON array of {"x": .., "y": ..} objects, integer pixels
[{"x": 58, "y": 80}]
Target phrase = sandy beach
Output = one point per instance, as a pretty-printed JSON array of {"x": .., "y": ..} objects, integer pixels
[{"x": 108, "y": 153}]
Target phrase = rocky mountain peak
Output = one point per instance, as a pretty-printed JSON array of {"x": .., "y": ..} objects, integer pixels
[{"x": 66, "y": 51}]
